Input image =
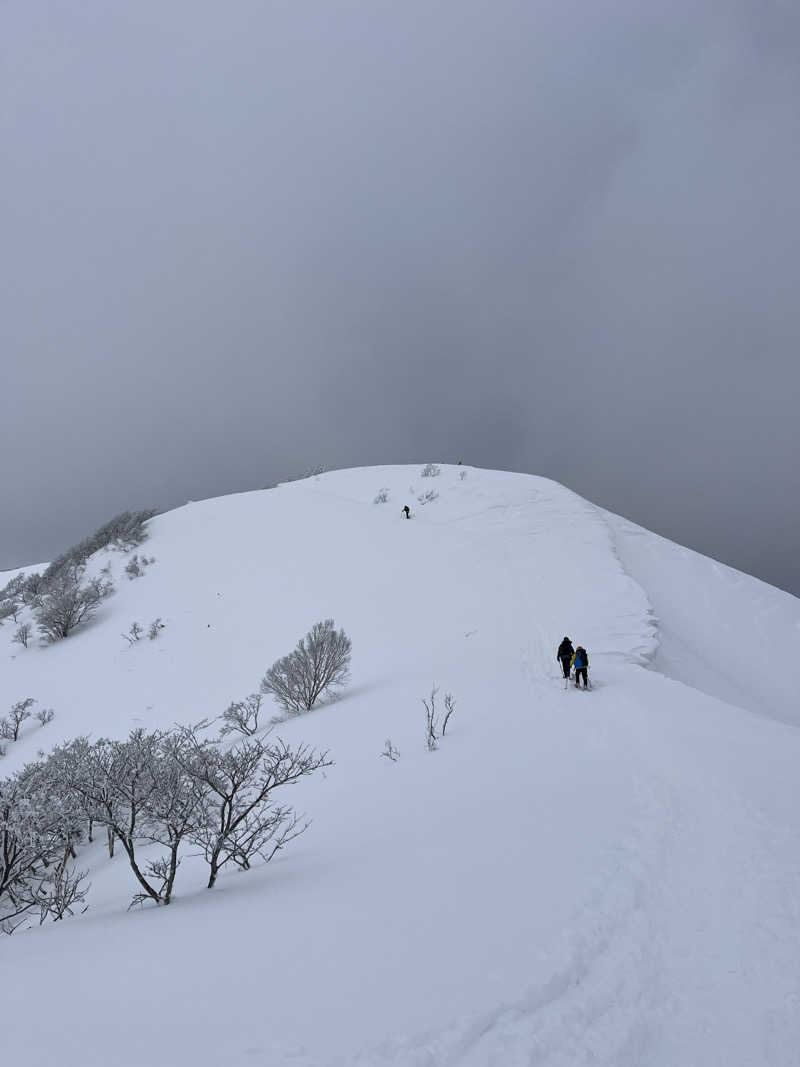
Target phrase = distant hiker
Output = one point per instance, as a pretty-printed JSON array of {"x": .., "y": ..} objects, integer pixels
[
  {"x": 580, "y": 662},
  {"x": 406, "y": 512},
  {"x": 564, "y": 655}
]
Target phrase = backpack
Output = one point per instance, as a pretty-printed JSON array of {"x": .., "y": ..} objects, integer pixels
[{"x": 581, "y": 659}]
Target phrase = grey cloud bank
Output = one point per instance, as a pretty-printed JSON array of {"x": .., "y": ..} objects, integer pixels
[{"x": 242, "y": 239}]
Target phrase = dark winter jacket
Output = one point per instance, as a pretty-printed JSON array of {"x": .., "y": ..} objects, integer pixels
[{"x": 565, "y": 649}]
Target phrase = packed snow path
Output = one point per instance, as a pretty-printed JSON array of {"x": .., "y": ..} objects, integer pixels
[{"x": 601, "y": 878}]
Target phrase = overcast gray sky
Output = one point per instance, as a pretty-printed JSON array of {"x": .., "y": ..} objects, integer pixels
[{"x": 242, "y": 238}]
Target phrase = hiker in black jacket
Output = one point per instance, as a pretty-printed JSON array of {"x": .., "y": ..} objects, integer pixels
[{"x": 564, "y": 655}]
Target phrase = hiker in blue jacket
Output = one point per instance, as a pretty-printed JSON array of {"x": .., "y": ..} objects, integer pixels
[{"x": 580, "y": 661}]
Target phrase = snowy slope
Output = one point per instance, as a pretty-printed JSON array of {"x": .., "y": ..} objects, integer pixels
[
  {"x": 721, "y": 631},
  {"x": 604, "y": 878}
]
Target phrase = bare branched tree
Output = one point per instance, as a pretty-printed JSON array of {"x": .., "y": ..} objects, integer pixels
[
  {"x": 22, "y": 634},
  {"x": 319, "y": 664},
  {"x": 431, "y": 721},
  {"x": 59, "y": 891},
  {"x": 449, "y": 708},
  {"x": 236, "y": 786},
  {"x": 45, "y": 715},
  {"x": 16, "y": 717},
  {"x": 242, "y": 716},
  {"x": 173, "y": 811}
]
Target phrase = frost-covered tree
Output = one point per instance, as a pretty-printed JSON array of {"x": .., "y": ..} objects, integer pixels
[
  {"x": 155, "y": 628},
  {"x": 236, "y": 787},
  {"x": 381, "y": 497},
  {"x": 68, "y": 601},
  {"x": 31, "y": 589},
  {"x": 430, "y": 470},
  {"x": 319, "y": 664},
  {"x": 37, "y": 830},
  {"x": 115, "y": 781},
  {"x": 12, "y": 590},
  {"x": 10, "y": 726}
]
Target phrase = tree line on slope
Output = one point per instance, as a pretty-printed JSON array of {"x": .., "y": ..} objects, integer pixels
[
  {"x": 165, "y": 788},
  {"x": 61, "y": 597}
]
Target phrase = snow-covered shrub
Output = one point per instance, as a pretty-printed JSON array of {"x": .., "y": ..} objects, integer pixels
[
  {"x": 382, "y": 497},
  {"x": 9, "y": 609},
  {"x": 242, "y": 716},
  {"x": 462, "y": 475},
  {"x": 134, "y": 633},
  {"x": 430, "y": 470},
  {"x": 133, "y": 568},
  {"x": 22, "y": 634},
  {"x": 124, "y": 532},
  {"x": 155, "y": 628},
  {"x": 428, "y": 498},
  {"x": 45, "y": 715},
  {"x": 68, "y": 601},
  {"x": 389, "y": 751},
  {"x": 319, "y": 664}
]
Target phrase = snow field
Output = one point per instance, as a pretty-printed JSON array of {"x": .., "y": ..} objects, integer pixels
[{"x": 602, "y": 878}]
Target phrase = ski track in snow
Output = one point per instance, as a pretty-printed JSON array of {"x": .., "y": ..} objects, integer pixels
[{"x": 660, "y": 922}]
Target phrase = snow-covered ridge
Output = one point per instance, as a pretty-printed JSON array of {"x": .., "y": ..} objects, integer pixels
[
  {"x": 552, "y": 886},
  {"x": 237, "y": 579}
]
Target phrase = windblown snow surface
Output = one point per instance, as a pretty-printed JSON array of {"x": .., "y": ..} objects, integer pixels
[{"x": 604, "y": 878}]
